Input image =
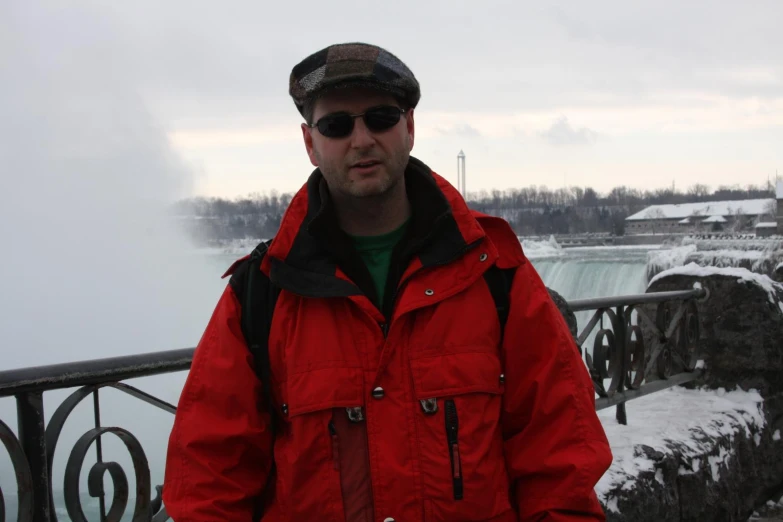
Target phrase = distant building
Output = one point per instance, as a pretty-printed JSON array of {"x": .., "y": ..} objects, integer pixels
[
  {"x": 716, "y": 223},
  {"x": 779, "y": 197},
  {"x": 704, "y": 217},
  {"x": 766, "y": 229}
]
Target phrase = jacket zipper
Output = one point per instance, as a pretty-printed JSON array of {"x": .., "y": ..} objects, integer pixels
[
  {"x": 335, "y": 446},
  {"x": 452, "y": 437}
]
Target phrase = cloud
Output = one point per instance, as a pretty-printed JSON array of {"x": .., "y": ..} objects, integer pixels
[
  {"x": 562, "y": 133},
  {"x": 463, "y": 130}
]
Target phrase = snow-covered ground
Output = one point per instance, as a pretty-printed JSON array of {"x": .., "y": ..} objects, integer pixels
[{"x": 675, "y": 417}]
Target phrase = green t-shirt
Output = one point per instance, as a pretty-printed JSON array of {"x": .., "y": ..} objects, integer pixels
[{"x": 376, "y": 252}]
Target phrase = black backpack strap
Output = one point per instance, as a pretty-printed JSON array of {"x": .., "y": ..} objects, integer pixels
[
  {"x": 258, "y": 297},
  {"x": 258, "y": 304},
  {"x": 499, "y": 281}
]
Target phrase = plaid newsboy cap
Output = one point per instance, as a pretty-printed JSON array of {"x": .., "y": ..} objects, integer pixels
[{"x": 352, "y": 65}]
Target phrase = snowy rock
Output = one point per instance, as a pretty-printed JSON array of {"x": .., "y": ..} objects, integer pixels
[
  {"x": 690, "y": 455},
  {"x": 729, "y": 465},
  {"x": 740, "y": 323}
]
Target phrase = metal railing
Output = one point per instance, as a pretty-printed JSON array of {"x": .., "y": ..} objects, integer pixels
[
  {"x": 619, "y": 355},
  {"x": 619, "y": 352}
]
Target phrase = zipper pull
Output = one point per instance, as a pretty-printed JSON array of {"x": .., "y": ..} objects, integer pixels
[
  {"x": 452, "y": 438},
  {"x": 335, "y": 446},
  {"x": 385, "y": 329}
]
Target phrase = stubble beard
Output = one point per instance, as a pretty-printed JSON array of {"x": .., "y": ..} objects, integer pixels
[{"x": 393, "y": 171}]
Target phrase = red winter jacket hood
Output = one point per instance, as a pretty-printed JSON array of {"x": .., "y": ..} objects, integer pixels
[{"x": 409, "y": 410}]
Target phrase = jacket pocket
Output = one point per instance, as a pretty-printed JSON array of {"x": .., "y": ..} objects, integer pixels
[
  {"x": 460, "y": 442},
  {"x": 309, "y": 449}
]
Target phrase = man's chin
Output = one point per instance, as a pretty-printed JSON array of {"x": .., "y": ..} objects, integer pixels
[{"x": 368, "y": 188}]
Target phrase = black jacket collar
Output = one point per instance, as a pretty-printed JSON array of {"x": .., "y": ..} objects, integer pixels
[{"x": 320, "y": 246}]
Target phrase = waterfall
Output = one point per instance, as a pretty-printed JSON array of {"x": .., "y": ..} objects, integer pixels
[{"x": 580, "y": 273}]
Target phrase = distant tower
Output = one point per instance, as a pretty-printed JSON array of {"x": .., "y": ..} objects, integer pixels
[{"x": 461, "y": 174}]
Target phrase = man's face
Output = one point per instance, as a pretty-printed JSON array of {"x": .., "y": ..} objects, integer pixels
[{"x": 364, "y": 163}]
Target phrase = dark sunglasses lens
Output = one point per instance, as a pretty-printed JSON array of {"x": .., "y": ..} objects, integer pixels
[
  {"x": 382, "y": 118},
  {"x": 335, "y": 125}
]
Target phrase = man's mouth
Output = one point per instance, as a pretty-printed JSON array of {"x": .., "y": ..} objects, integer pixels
[{"x": 365, "y": 164}]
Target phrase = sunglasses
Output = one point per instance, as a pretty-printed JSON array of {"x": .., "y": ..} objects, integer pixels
[{"x": 377, "y": 119}]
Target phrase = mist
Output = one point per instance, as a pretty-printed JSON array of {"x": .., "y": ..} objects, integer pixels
[{"x": 90, "y": 266}]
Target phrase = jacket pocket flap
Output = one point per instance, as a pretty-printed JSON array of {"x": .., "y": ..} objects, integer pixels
[
  {"x": 323, "y": 389},
  {"x": 456, "y": 374}
]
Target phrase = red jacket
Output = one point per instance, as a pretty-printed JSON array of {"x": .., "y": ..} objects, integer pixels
[{"x": 419, "y": 415}]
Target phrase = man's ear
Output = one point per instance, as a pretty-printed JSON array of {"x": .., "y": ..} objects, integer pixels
[
  {"x": 410, "y": 127},
  {"x": 307, "y": 135}
]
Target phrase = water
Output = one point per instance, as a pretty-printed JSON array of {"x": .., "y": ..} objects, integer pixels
[
  {"x": 595, "y": 272},
  {"x": 579, "y": 273},
  {"x": 574, "y": 273}
]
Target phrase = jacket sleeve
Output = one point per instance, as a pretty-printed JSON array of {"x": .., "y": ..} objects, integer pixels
[
  {"x": 219, "y": 451},
  {"x": 555, "y": 446}
]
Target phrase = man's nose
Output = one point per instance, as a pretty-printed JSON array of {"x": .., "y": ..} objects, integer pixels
[{"x": 361, "y": 137}]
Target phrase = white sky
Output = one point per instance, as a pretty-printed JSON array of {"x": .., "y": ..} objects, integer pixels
[{"x": 596, "y": 93}]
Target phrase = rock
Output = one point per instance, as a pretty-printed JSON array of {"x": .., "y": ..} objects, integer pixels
[
  {"x": 740, "y": 329},
  {"x": 777, "y": 273},
  {"x": 741, "y": 332},
  {"x": 682, "y": 486},
  {"x": 568, "y": 315}
]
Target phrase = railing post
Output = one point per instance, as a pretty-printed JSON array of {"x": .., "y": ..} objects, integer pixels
[
  {"x": 32, "y": 430},
  {"x": 620, "y": 338}
]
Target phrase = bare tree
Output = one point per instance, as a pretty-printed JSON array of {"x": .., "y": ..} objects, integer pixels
[
  {"x": 699, "y": 191},
  {"x": 655, "y": 215}
]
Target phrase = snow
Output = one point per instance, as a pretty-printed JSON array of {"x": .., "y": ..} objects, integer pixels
[
  {"x": 540, "y": 249},
  {"x": 684, "y": 221},
  {"x": 766, "y": 224},
  {"x": 710, "y": 208},
  {"x": 743, "y": 275},
  {"x": 688, "y": 419},
  {"x": 716, "y": 461},
  {"x": 779, "y": 191},
  {"x": 695, "y": 467},
  {"x": 757, "y": 254},
  {"x": 779, "y": 266},
  {"x": 659, "y": 260},
  {"x": 715, "y": 219},
  {"x": 730, "y": 258},
  {"x": 594, "y": 248},
  {"x": 776, "y": 435}
]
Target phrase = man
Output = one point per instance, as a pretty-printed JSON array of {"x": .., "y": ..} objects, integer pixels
[{"x": 397, "y": 396}]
